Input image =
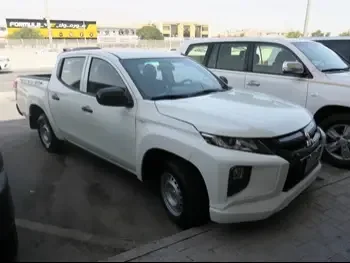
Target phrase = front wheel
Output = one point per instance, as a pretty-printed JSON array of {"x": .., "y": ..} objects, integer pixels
[
  {"x": 184, "y": 195},
  {"x": 47, "y": 137},
  {"x": 337, "y": 149}
]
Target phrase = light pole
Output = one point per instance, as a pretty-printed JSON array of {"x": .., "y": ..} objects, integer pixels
[
  {"x": 306, "y": 22},
  {"x": 84, "y": 32},
  {"x": 48, "y": 22}
]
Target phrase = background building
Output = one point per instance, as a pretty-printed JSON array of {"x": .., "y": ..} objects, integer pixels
[
  {"x": 183, "y": 29},
  {"x": 251, "y": 32},
  {"x": 118, "y": 33},
  {"x": 60, "y": 29}
]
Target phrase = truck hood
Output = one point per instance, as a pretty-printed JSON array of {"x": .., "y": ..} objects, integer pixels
[
  {"x": 342, "y": 78},
  {"x": 237, "y": 113}
]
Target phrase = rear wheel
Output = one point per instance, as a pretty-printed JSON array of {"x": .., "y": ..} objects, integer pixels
[
  {"x": 337, "y": 149},
  {"x": 183, "y": 194},
  {"x": 47, "y": 137}
]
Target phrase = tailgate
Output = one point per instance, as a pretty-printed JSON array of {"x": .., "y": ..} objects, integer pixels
[{"x": 28, "y": 90}]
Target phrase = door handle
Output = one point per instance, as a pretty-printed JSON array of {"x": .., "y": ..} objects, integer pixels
[
  {"x": 253, "y": 83},
  {"x": 87, "y": 109},
  {"x": 55, "y": 97}
]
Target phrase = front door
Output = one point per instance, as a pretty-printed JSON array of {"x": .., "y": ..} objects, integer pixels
[
  {"x": 108, "y": 131},
  {"x": 267, "y": 76}
]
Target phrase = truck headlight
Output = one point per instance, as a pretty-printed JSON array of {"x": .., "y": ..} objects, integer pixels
[{"x": 238, "y": 144}]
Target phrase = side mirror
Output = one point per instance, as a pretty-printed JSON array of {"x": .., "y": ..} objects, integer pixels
[
  {"x": 115, "y": 97},
  {"x": 293, "y": 67},
  {"x": 224, "y": 79}
]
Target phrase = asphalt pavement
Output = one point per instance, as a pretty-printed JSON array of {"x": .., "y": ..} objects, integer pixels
[{"x": 72, "y": 206}]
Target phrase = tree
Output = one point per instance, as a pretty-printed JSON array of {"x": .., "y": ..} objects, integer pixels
[
  {"x": 294, "y": 34},
  {"x": 26, "y": 33},
  {"x": 345, "y": 34},
  {"x": 149, "y": 32},
  {"x": 319, "y": 33},
  {"x": 241, "y": 34}
]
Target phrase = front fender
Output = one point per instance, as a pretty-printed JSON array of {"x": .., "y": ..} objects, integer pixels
[{"x": 180, "y": 142}]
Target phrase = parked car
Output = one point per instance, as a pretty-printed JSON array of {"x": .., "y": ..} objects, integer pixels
[
  {"x": 215, "y": 151},
  {"x": 5, "y": 64},
  {"x": 301, "y": 71},
  {"x": 340, "y": 45},
  {"x": 8, "y": 231}
]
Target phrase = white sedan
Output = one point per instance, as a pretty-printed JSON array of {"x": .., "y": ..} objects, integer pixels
[{"x": 5, "y": 64}]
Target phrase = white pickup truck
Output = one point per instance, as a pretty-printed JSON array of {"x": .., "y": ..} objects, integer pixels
[
  {"x": 301, "y": 71},
  {"x": 216, "y": 152}
]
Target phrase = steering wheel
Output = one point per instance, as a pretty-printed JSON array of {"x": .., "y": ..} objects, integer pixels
[{"x": 188, "y": 81}]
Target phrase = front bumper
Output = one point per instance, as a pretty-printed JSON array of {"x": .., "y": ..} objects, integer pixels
[
  {"x": 270, "y": 188},
  {"x": 262, "y": 209}
]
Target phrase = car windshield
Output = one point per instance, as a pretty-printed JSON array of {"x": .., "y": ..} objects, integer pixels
[
  {"x": 171, "y": 78},
  {"x": 323, "y": 58}
]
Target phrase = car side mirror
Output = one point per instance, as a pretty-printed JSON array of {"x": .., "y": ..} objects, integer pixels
[
  {"x": 114, "y": 97},
  {"x": 293, "y": 67},
  {"x": 224, "y": 79}
]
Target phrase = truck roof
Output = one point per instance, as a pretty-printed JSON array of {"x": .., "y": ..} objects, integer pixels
[
  {"x": 126, "y": 53},
  {"x": 247, "y": 39},
  {"x": 328, "y": 38},
  {"x": 280, "y": 40}
]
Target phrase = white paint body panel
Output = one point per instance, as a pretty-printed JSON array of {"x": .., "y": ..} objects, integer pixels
[{"x": 123, "y": 136}]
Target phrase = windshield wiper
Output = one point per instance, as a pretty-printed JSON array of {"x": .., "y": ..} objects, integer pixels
[
  {"x": 204, "y": 92},
  {"x": 182, "y": 96},
  {"x": 336, "y": 69},
  {"x": 169, "y": 97}
]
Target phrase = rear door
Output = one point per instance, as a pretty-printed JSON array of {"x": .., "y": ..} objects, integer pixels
[
  {"x": 228, "y": 59},
  {"x": 231, "y": 61},
  {"x": 65, "y": 97}
]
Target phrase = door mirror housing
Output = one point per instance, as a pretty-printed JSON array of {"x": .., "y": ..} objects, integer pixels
[
  {"x": 293, "y": 67},
  {"x": 114, "y": 97},
  {"x": 224, "y": 79}
]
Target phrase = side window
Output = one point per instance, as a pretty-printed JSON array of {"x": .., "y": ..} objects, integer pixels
[
  {"x": 342, "y": 47},
  {"x": 232, "y": 56},
  {"x": 102, "y": 75},
  {"x": 269, "y": 58},
  {"x": 198, "y": 52},
  {"x": 71, "y": 72}
]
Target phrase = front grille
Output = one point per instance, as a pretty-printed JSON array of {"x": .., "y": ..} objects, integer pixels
[{"x": 293, "y": 148}]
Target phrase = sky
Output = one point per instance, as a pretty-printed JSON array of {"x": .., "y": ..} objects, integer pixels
[{"x": 221, "y": 15}]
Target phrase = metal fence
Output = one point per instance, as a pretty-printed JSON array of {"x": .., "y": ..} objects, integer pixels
[{"x": 58, "y": 44}]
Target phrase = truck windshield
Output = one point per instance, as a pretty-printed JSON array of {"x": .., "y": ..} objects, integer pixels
[
  {"x": 323, "y": 58},
  {"x": 171, "y": 78}
]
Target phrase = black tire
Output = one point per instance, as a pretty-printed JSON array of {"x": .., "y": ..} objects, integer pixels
[
  {"x": 55, "y": 145},
  {"x": 195, "y": 211},
  {"x": 326, "y": 124}
]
